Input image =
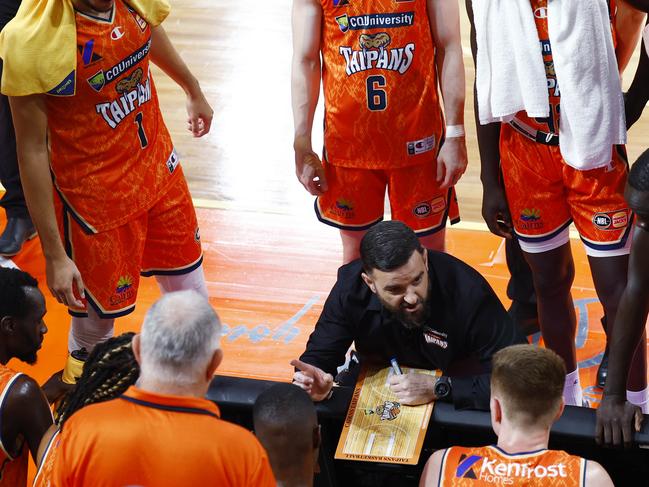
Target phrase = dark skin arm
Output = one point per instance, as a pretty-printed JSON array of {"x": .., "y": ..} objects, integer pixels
[
  {"x": 26, "y": 415},
  {"x": 616, "y": 418},
  {"x": 494, "y": 203},
  {"x": 638, "y": 95}
]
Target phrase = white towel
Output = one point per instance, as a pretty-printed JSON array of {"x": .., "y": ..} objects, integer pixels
[
  {"x": 510, "y": 74},
  {"x": 645, "y": 37},
  {"x": 592, "y": 107}
]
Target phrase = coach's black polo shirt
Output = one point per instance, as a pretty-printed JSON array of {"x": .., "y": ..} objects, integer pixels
[{"x": 468, "y": 321}]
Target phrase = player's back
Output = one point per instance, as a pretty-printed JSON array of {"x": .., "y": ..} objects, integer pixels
[
  {"x": 490, "y": 465},
  {"x": 149, "y": 439},
  {"x": 13, "y": 466}
]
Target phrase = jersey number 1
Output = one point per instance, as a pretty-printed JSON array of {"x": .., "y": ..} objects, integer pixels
[
  {"x": 140, "y": 130},
  {"x": 377, "y": 99}
]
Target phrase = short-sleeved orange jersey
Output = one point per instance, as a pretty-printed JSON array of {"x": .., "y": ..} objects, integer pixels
[
  {"x": 551, "y": 123},
  {"x": 380, "y": 84},
  {"x": 157, "y": 440},
  {"x": 13, "y": 467},
  {"x": 490, "y": 465},
  {"x": 111, "y": 153}
]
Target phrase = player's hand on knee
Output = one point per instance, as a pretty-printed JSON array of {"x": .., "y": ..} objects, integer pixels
[
  {"x": 495, "y": 211},
  {"x": 451, "y": 162},
  {"x": 316, "y": 382},
  {"x": 617, "y": 421},
  {"x": 200, "y": 115},
  {"x": 413, "y": 389},
  {"x": 64, "y": 282}
]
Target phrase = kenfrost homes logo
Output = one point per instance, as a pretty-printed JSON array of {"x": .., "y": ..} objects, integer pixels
[
  {"x": 497, "y": 471},
  {"x": 375, "y": 21}
]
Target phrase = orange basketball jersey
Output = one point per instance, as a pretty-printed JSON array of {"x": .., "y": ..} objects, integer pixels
[
  {"x": 13, "y": 467},
  {"x": 380, "y": 84},
  {"x": 111, "y": 154},
  {"x": 550, "y": 124},
  {"x": 490, "y": 465}
]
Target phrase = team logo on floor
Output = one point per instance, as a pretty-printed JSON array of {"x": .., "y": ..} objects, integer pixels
[
  {"x": 531, "y": 219},
  {"x": 388, "y": 411},
  {"x": 612, "y": 220}
]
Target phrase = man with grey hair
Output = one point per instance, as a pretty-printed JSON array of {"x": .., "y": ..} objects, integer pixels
[{"x": 163, "y": 431}]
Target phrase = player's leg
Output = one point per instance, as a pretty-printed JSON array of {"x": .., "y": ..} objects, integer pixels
[
  {"x": 172, "y": 252},
  {"x": 417, "y": 200},
  {"x": 541, "y": 217},
  {"x": 353, "y": 203},
  {"x": 604, "y": 222}
]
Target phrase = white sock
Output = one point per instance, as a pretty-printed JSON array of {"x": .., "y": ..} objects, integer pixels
[
  {"x": 87, "y": 332},
  {"x": 572, "y": 394},
  {"x": 640, "y": 399}
]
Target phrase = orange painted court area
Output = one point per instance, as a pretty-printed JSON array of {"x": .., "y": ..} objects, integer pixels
[{"x": 268, "y": 276}]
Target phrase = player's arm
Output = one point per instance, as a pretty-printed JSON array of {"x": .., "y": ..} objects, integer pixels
[
  {"x": 305, "y": 89},
  {"x": 616, "y": 419},
  {"x": 639, "y": 4},
  {"x": 494, "y": 203},
  {"x": 30, "y": 124},
  {"x": 165, "y": 56},
  {"x": 628, "y": 27},
  {"x": 636, "y": 98},
  {"x": 445, "y": 28},
  {"x": 596, "y": 476},
  {"x": 432, "y": 470},
  {"x": 29, "y": 412}
]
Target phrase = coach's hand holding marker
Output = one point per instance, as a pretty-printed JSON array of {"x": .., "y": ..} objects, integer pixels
[
  {"x": 316, "y": 382},
  {"x": 411, "y": 389}
]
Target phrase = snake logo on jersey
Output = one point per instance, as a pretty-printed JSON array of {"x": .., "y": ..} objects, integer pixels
[
  {"x": 375, "y": 55},
  {"x": 134, "y": 95}
]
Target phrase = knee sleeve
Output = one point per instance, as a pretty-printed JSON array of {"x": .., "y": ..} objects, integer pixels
[
  {"x": 88, "y": 331},
  {"x": 194, "y": 280}
]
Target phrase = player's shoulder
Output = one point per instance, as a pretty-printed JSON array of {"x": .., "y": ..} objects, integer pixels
[{"x": 596, "y": 475}]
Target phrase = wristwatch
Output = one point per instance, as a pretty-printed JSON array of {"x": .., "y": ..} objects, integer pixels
[{"x": 443, "y": 388}]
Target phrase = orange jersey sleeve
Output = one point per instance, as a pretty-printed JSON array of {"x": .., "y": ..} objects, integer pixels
[
  {"x": 380, "y": 84},
  {"x": 111, "y": 153},
  {"x": 13, "y": 467},
  {"x": 490, "y": 465},
  {"x": 153, "y": 440}
]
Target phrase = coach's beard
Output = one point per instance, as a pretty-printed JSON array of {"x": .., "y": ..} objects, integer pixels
[{"x": 411, "y": 320}]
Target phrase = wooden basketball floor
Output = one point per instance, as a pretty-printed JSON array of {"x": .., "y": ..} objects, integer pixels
[{"x": 268, "y": 262}]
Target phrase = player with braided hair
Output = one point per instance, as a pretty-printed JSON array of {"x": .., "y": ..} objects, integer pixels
[
  {"x": 616, "y": 415},
  {"x": 109, "y": 371},
  {"x": 111, "y": 368}
]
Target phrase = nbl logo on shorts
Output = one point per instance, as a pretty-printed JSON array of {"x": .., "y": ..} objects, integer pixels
[{"x": 612, "y": 220}]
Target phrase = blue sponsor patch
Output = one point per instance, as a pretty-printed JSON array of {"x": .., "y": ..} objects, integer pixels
[{"x": 65, "y": 87}]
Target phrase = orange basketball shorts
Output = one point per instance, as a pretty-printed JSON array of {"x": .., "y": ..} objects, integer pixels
[
  {"x": 355, "y": 198},
  {"x": 163, "y": 240},
  {"x": 545, "y": 195}
]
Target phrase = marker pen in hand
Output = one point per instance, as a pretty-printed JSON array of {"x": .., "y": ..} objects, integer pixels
[{"x": 395, "y": 366}]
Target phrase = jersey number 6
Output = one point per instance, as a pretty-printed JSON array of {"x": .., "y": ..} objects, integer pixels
[{"x": 377, "y": 99}]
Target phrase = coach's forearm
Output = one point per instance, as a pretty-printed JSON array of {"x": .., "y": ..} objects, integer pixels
[{"x": 165, "y": 56}]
